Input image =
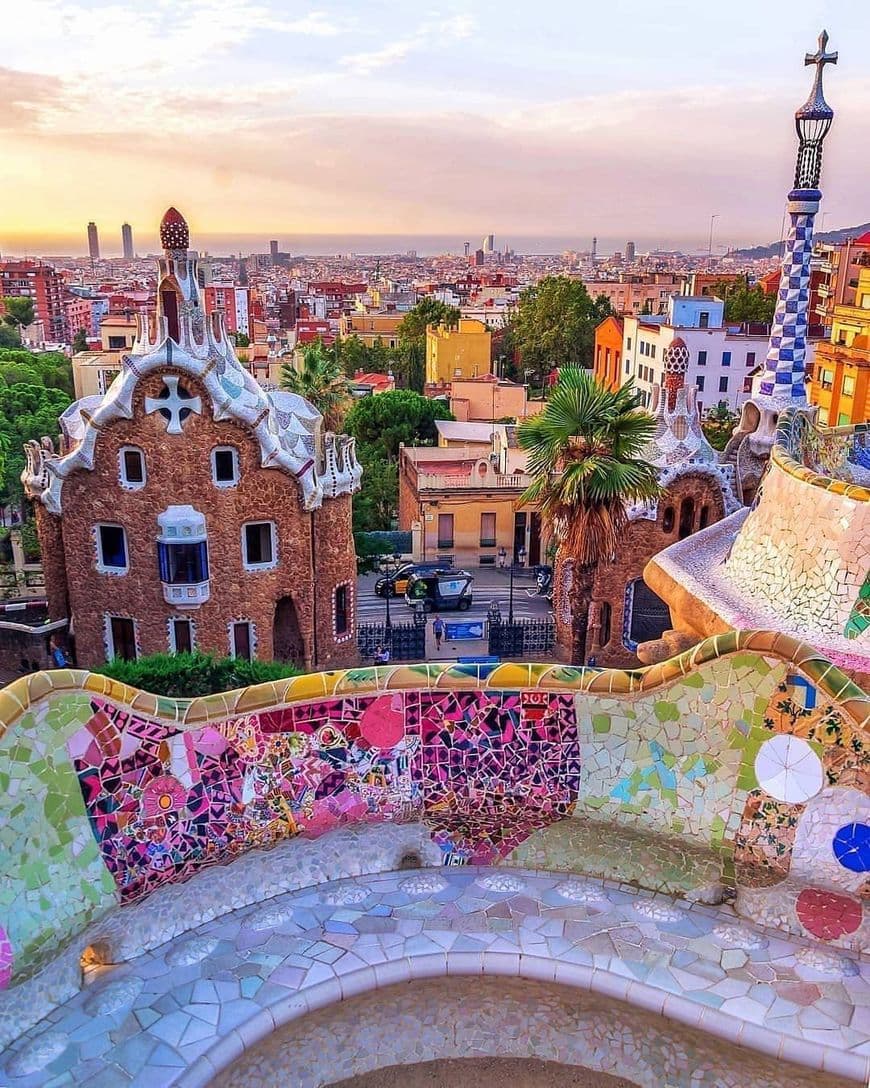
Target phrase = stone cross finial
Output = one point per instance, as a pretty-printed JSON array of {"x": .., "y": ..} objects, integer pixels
[
  {"x": 174, "y": 403},
  {"x": 820, "y": 57}
]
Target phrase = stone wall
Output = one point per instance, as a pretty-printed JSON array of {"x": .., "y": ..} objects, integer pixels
[
  {"x": 178, "y": 469},
  {"x": 111, "y": 794}
]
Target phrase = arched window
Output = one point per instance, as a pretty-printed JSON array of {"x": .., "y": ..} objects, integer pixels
[
  {"x": 604, "y": 631},
  {"x": 668, "y": 519},
  {"x": 687, "y": 518},
  {"x": 705, "y": 517}
]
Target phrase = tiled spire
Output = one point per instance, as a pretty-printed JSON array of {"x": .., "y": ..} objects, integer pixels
[{"x": 783, "y": 383}]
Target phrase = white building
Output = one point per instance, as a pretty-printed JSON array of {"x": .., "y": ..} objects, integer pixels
[{"x": 722, "y": 359}]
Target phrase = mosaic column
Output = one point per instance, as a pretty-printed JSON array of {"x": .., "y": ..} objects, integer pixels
[
  {"x": 785, "y": 366},
  {"x": 783, "y": 383}
]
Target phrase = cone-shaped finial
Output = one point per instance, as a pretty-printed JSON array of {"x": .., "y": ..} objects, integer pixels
[{"x": 173, "y": 230}]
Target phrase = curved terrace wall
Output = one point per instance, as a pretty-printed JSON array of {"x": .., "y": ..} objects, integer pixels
[
  {"x": 120, "y": 811},
  {"x": 798, "y": 561}
]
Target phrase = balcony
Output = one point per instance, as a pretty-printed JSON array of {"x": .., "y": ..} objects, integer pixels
[
  {"x": 182, "y": 556},
  {"x": 436, "y": 481}
]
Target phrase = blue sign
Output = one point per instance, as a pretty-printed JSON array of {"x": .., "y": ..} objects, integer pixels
[{"x": 459, "y": 632}]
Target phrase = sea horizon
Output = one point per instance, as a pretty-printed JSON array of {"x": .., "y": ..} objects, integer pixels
[{"x": 342, "y": 244}]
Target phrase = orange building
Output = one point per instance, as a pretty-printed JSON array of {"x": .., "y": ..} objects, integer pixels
[
  {"x": 841, "y": 376},
  {"x": 607, "y": 365}
]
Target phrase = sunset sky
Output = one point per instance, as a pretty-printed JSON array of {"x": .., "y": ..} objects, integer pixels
[{"x": 560, "y": 117}]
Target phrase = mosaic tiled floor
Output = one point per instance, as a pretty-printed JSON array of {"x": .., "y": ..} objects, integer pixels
[
  {"x": 523, "y": 1034},
  {"x": 186, "y": 1010}
]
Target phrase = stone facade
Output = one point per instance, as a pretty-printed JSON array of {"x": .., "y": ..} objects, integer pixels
[
  {"x": 180, "y": 396},
  {"x": 681, "y": 510}
]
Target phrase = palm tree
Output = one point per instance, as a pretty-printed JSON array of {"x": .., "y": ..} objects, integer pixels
[
  {"x": 586, "y": 456},
  {"x": 321, "y": 381}
]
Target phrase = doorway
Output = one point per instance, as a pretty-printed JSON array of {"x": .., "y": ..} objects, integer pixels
[
  {"x": 535, "y": 539},
  {"x": 519, "y": 532},
  {"x": 287, "y": 641}
]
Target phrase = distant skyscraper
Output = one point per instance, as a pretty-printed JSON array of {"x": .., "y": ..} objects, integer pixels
[
  {"x": 594, "y": 247},
  {"x": 467, "y": 248},
  {"x": 93, "y": 242},
  {"x": 629, "y": 251},
  {"x": 478, "y": 256},
  {"x": 126, "y": 241},
  {"x": 489, "y": 243},
  {"x": 273, "y": 250}
]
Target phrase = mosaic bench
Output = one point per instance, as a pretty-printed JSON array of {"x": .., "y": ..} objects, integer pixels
[{"x": 736, "y": 769}]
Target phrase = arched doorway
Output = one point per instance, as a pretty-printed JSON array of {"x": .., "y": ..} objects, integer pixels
[{"x": 287, "y": 641}]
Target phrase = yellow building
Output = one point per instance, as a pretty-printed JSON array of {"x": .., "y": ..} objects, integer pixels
[
  {"x": 372, "y": 327},
  {"x": 841, "y": 375},
  {"x": 94, "y": 371},
  {"x": 462, "y": 503},
  {"x": 458, "y": 351}
]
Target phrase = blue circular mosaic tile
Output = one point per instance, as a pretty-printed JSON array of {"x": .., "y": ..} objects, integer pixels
[{"x": 852, "y": 847}]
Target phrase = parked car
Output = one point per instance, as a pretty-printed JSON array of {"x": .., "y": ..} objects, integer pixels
[
  {"x": 440, "y": 590},
  {"x": 395, "y": 585}
]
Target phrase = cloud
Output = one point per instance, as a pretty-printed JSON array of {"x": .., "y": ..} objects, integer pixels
[
  {"x": 429, "y": 33},
  {"x": 27, "y": 99}
]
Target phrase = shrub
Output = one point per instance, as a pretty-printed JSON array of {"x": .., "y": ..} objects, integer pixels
[
  {"x": 369, "y": 546},
  {"x": 30, "y": 542},
  {"x": 185, "y": 676}
]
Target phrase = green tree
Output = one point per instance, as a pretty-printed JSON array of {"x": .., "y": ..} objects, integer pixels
[
  {"x": 744, "y": 303},
  {"x": 381, "y": 424},
  {"x": 352, "y": 354},
  {"x": 586, "y": 456},
  {"x": 428, "y": 311},
  {"x": 376, "y": 504},
  {"x": 9, "y": 337},
  {"x": 242, "y": 340},
  {"x": 80, "y": 341},
  {"x": 26, "y": 412},
  {"x": 409, "y": 365},
  {"x": 719, "y": 425},
  {"x": 321, "y": 381},
  {"x": 49, "y": 368},
  {"x": 554, "y": 325},
  {"x": 19, "y": 311},
  {"x": 386, "y": 421}
]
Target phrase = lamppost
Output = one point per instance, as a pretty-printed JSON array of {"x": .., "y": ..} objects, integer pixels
[
  {"x": 713, "y": 217},
  {"x": 388, "y": 565},
  {"x": 519, "y": 555}
]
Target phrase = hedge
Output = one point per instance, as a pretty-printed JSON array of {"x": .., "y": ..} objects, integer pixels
[{"x": 187, "y": 675}]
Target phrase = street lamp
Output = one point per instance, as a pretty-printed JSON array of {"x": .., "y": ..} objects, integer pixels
[
  {"x": 710, "y": 246},
  {"x": 519, "y": 556},
  {"x": 388, "y": 565}
]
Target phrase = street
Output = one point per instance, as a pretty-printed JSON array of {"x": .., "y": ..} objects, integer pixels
[{"x": 490, "y": 584}]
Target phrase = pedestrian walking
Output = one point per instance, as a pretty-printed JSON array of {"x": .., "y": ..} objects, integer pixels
[
  {"x": 438, "y": 630},
  {"x": 58, "y": 653},
  {"x": 382, "y": 656}
]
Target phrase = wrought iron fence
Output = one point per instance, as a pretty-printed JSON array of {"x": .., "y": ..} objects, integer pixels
[
  {"x": 521, "y": 637},
  {"x": 405, "y": 641}
]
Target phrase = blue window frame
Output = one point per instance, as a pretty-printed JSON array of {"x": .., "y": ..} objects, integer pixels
[
  {"x": 702, "y": 358},
  {"x": 726, "y": 358},
  {"x": 183, "y": 564}
]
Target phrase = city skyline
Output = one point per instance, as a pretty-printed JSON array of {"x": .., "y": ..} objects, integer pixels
[{"x": 296, "y": 122}]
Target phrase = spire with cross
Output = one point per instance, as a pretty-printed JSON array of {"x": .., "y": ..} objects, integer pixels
[{"x": 783, "y": 383}]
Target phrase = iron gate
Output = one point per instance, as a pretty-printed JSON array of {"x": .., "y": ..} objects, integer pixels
[
  {"x": 521, "y": 638},
  {"x": 405, "y": 641}
]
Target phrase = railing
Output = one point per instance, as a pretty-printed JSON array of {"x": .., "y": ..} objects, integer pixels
[
  {"x": 841, "y": 452},
  {"x": 436, "y": 481},
  {"x": 521, "y": 637},
  {"x": 405, "y": 641}
]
